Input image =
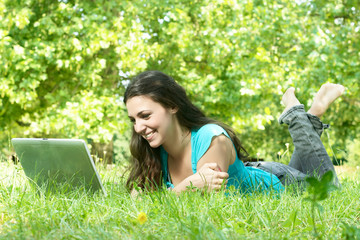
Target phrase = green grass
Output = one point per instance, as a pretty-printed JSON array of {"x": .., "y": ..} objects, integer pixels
[{"x": 25, "y": 214}]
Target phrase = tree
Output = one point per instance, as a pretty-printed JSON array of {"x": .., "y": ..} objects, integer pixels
[{"x": 64, "y": 64}]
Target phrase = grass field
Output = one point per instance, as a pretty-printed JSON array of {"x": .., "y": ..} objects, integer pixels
[{"x": 25, "y": 214}]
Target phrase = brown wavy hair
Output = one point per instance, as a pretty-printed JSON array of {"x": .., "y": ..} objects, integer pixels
[{"x": 145, "y": 164}]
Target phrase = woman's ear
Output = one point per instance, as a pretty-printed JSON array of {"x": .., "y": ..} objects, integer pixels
[{"x": 174, "y": 110}]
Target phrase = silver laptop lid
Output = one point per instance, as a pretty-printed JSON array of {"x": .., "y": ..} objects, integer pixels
[{"x": 61, "y": 161}]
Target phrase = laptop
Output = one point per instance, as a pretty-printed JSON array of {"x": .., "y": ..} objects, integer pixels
[{"x": 57, "y": 164}]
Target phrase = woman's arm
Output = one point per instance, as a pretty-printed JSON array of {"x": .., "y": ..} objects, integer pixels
[
  {"x": 221, "y": 151},
  {"x": 212, "y": 167},
  {"x": 208, "y": 177}
]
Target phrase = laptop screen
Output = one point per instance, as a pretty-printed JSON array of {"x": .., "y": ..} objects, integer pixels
[{"x": 58, "y": 162}]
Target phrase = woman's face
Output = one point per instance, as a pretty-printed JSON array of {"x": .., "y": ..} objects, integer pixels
[{"x": 151, "y": 120}]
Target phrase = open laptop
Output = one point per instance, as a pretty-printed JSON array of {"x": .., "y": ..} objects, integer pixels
[{"x": 53, "y": 163}]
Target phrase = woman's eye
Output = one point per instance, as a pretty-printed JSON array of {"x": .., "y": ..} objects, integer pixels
[{"x": 145, "y": 116}]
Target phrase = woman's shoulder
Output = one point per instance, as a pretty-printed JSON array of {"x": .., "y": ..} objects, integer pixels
[
  {"x": 210, "y": 129},
  {"x": 201, "y": 139}
]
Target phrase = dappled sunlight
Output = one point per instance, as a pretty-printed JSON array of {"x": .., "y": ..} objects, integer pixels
[
  {"x": 348, "y": 172},
  {"x": 64, "y": 67}
]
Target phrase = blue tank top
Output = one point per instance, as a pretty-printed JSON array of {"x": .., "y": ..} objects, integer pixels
[{"x": 245, "y": 179}]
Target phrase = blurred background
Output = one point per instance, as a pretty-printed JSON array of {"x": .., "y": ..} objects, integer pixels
[{"x": 64, "y": 66}]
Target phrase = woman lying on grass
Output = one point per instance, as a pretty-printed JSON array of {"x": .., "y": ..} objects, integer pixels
[{"x": 174, "y": 143}]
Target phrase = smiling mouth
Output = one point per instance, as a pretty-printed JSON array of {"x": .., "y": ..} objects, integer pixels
[{"x": 148, "y": 136}]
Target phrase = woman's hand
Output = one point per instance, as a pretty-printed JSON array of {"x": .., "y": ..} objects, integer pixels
[{"x": 209, "y": 177}]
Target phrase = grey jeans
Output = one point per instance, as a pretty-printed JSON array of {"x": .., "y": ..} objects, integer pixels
[{"x": 309, "y": 157}]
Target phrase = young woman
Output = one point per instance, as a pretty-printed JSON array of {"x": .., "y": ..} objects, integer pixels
[{"x": 175, "y": 144}]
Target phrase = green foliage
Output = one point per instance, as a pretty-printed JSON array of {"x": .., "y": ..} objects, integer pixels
[
  {"x": 64, "y": 64},
  {"x": 351, "y": 232},
  {"x": 319, "y": 190},
  {"x": 352, "y": 148},
  {"x": 25, "y": 214}
]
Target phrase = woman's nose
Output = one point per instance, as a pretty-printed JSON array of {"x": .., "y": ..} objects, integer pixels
[{"x": 139, "y": 127}]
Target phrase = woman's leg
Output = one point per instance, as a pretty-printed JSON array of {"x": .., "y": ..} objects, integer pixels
[
  {"x": 310, "y": 156},
  {"x": 286, "y": 174}
]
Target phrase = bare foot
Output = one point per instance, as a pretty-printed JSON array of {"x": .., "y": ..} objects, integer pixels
[
  {"x": 327, "y": 94},
  {"x": 289, "y": 99}
]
